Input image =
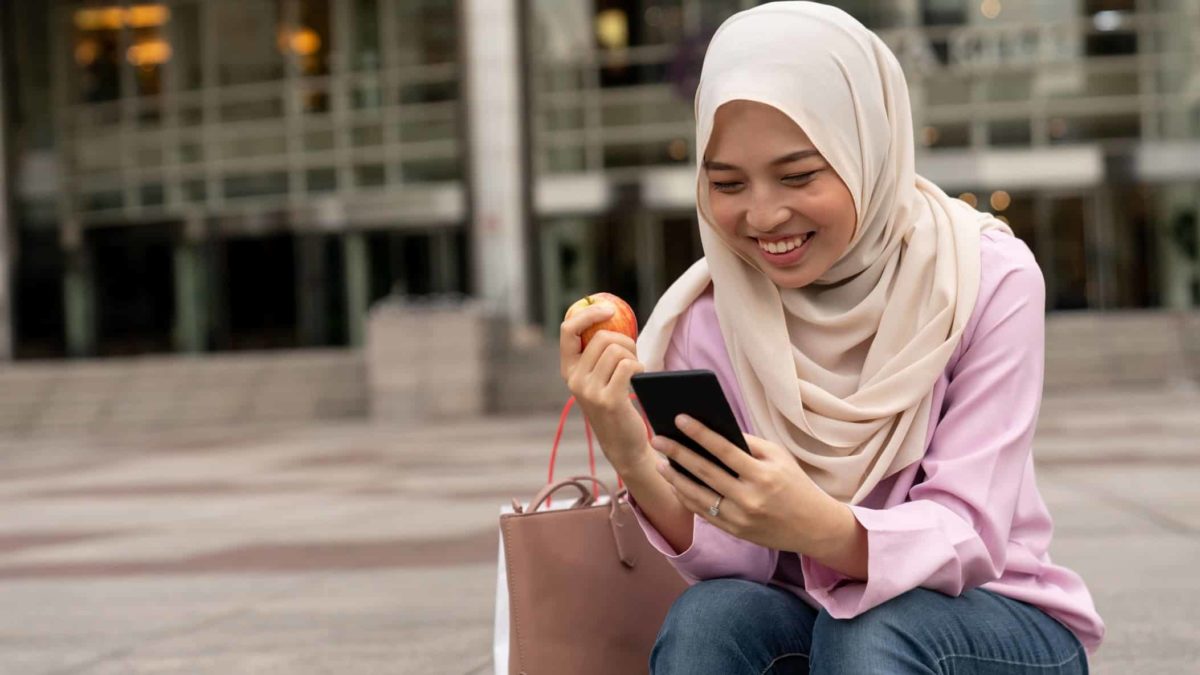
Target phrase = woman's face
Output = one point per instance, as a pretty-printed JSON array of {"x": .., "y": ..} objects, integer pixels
[{"x": 768, "y": 186}]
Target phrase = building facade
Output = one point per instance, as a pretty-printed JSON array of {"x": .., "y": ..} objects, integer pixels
[
  {"x": 231, "y": 174},
  {"x": 204, "y": 175},
  {"x": 1078, "y": 122}
]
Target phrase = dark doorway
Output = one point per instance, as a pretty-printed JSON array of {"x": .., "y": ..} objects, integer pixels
[
  {"x": 681, "y": 246},
  {"x": 1070, "y": 257},
  {"x": 134, "y": 282},
  {"x": 258, "y": 292},
  {"x": 39, "y": 326},
  {"x": 410, "y": 263}
]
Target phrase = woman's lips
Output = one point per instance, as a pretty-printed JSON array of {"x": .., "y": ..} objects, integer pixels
[{"x": 786, "y": 259}]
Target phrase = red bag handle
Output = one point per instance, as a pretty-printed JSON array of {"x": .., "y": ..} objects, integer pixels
[{"x": 587, "y": 430}]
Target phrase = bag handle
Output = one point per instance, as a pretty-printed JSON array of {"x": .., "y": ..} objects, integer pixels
[
  {"x": 544, "y": 496},
  {"x": 587, "y": 430},
  {"x": 624, "y": 533}
]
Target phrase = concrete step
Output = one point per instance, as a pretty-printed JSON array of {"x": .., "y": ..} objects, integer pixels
[
  {"x": 1084, "y": 350},
  {"x": 181, "y": 390}
]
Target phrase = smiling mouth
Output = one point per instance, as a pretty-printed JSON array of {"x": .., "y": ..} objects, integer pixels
[{"x": 784, "y": 245}]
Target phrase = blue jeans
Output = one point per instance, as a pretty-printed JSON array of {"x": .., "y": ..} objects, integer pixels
[{"x": 733, "y": 626}]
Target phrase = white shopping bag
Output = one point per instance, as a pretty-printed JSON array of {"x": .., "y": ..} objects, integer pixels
[{"x": 500, "y": 637}]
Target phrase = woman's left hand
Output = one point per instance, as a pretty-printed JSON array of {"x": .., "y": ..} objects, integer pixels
[{"x": 772, "y": 501}]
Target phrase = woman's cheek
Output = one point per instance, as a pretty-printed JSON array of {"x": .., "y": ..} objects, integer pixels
[{"x": 725, "y": 216}]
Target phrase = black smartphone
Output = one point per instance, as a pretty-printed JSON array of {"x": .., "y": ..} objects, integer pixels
[{"x": 696, "y": 393}]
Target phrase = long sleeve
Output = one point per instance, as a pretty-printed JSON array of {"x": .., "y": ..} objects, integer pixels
[
  {"x": 952, "y": 532},
  {"x": 714, "y": 553}
]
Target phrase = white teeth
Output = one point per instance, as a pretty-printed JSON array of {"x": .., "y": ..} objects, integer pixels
[{"x": 783, "y": 246}]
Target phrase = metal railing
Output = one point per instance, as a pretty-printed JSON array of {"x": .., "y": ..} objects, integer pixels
[
  {"x": 259, "y": 146},
  {"x": 973, "y": 86}
]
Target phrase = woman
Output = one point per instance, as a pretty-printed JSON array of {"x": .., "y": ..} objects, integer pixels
[{"x": 882, "y": 346}]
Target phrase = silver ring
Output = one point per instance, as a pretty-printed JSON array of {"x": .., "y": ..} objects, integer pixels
[{"x": 715, "y": 509}]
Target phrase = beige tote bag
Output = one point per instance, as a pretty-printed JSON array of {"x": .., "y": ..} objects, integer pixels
[{"x": 587, "y": 592}]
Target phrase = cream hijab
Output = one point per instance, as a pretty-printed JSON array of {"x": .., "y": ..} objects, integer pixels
[{"x": 840, "y": 372}]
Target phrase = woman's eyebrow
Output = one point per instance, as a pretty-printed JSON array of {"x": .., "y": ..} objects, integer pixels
[{"x": 713, "y": 165}]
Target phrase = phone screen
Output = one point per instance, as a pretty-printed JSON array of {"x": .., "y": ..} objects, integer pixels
[{"x": 697, "y": 393}]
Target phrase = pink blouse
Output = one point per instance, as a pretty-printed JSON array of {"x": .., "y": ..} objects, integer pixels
[{"x": 968, "y": 514}]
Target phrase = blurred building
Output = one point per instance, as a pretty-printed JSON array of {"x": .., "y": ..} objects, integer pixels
[
  {"x": 202, "y": 175},
  {"x": 1077, "y": 121},
  {"x": 229, "y": 174}
]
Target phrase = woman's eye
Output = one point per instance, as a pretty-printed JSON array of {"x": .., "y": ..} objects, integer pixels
[
  {"x": 793, "y": 179},
  {"x": 799, "y": 177}
]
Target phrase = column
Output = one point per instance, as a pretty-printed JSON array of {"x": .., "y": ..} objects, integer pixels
[
  {"x": 1099, "y": 233},
  {"x": 189, "y": 310},
  {"x": 293, "y": 122},
  {"x": 191, "y": 290},
  {"x": 6, "y": 346},
  {"x": 565, "y": 240},
  {"x": 493, "y": 103},
  {"x": 79, "y": 302},
  {"x": 445, "y": 262},
  {"x": 553, "y": 282},
  {"x": 312, "y": 319},
  {"x": 357, "y": 267},
  {"x": 648, "y": 226},
  {"x": 1179, "y": 206},
  {"x": 1044, "y": 245}
]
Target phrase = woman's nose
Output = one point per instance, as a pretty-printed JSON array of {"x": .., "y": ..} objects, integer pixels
[{"x": 766, "y": 217}]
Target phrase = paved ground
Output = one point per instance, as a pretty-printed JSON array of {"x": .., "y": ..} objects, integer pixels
[{"x": 360, "y": 549}]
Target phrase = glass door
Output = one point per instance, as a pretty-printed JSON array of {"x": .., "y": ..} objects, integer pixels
[{"x": 568, "y": 268}]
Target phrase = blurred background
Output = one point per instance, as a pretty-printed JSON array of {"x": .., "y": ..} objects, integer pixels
[
  {"x": 281, "y": 281},
  {"x": 219, "y": 176}
]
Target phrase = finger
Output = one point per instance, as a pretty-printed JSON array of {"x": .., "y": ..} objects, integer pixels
[
  {"x": 729, "y": 454},
  {"x": 608, "y": 337},
  {"x": 612, "y": 355},
  {"x": 607, "y": 370},
  {"x": 700, "y": 467},
  {"x": 621, "y": 339},
  {"x": 691, "y": 494},
  {"x": 569, "y": 341},
  {"x": 620, "y": 383},
  {"x": 589, "y": 361}
]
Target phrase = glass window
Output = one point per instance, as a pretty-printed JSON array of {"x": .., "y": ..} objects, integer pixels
[
  {"x": 661, "y": 22},
  {"x": 312, "y": 38},
  {"x": 149, "y": 47},
  {"x": 247, "y": 41},
  {"x": 255, "y": 185},
  {"x": 1009, "y": 132},
  {"x": 369, "y": 175},
  {"x": 321, "y": 180},
  {"x": 187, "y": 50},
  {"x": 427, "y": 32},
  {"x": 96, "y": 53},
  {"x": 366, "y": 35}
]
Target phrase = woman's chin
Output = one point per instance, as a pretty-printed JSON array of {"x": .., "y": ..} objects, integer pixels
[
  {"x": 792, "y": 284},
  {"x": 788, "y": 279}
]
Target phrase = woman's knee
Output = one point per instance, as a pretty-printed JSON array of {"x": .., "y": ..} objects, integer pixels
[
  {"x": 884, "y": 639},
  {"x": 729, "y": 623},
  {"x": 714, "y": 609},
  {"x": 918, "y": 631}
]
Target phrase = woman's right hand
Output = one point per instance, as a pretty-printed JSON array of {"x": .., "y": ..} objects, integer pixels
[{"x": 599, "y": 378}]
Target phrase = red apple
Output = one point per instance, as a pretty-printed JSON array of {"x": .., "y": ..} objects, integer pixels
[{"x": 622, "y": 321}]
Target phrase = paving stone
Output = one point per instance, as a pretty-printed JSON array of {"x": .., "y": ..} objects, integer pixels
[{"x": 359, "y": 547}]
